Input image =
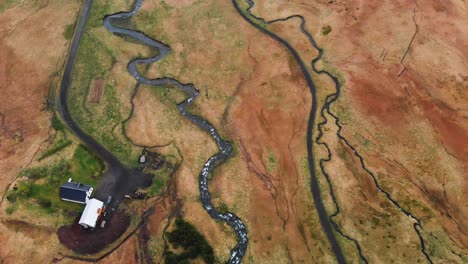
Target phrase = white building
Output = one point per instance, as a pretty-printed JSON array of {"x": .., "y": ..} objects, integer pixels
[{"x": 91, "y": 213}]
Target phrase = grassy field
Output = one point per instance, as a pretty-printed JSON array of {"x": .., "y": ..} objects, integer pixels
[
  {"x": 40, "y": 188},
  {"x": 96, "y": 58},
  {"x": 158, "y": 183}
]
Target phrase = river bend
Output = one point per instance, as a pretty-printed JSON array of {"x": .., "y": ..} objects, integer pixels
[{"x": 225, "y": 148}]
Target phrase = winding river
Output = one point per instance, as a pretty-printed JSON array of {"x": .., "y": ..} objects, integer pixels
[
  {"x": 225, "y": 148},
  {"x": 120, "y": 180}
]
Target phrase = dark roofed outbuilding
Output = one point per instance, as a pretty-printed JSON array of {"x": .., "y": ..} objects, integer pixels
[{"x": 75, "y": 192}]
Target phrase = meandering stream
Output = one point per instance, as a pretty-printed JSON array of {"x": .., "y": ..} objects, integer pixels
[
  {"x": 329, "y": 100},
  {"x": 120, "y": 180},
  {"x": 319, "y": 206},
  {"x": 225, "y": 148}
]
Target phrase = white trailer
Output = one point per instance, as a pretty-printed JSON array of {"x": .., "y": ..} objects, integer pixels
[{"x": 91, "y": 213}]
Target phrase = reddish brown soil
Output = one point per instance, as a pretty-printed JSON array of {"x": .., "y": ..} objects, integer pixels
[
  {"x": 26, "y": 71},
  {"x": 32, "y": 49},
  {"x": 86, "y": 241},
  {"x": 271, "y": 134},
  {"x": 97, "y": 91},
  {"x": 405, "y": 114},
  {"x": 403, "y": 106},
  {"x": 262, "y": 108},
  {"x": 428, "y": 93},
  {"x": 126, "y": 253}
]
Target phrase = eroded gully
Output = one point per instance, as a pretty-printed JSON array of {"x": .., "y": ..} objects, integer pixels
[
  {"x": 325, "y": 220},
  {"x": 225, "y": 148}
]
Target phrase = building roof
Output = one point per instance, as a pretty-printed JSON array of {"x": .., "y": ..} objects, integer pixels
[
  {"x": 76, "y": 186},
  {"x": 75, "y": 192},
  {"x": 91, "y": 213}
]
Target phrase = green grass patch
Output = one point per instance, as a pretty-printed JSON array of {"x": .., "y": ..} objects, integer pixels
[
  {"x": 343, "y": 113},
  {"x": 364, "y": 142},
  {"x": 440, "y": 247},
  {"x": 57, "y": 123},
  {"x": 40, "y": 190},
  {"x": 45, "y": 171},
  {"x": 43, "y": 193},
  {"x": 413, "y": 205},
  {"x": 194, "y": 244},
  {"x": 86, "y": 166},
  {"x": 97, "y": 13},
  {"x": 157, "y": 185},
  {"x": 147, "y": 20},
  {"x": 6, "y": 4},
  {"x": 69, "y": 31}
]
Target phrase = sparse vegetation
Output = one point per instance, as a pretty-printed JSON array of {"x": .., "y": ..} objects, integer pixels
[
  {"x": 9, "y": 210},
  {"x": 326, "y": 30},
  {"x": 364, "y": 142},
  {"x": 344, "y": 114},
  {"x": 223, "y": 208},
  {"x": 271, "y": 163},
  {"x": 4, "y": 5}
]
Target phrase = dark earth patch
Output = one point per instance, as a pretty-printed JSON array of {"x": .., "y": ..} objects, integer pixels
[{"x": 85, "y": 241}]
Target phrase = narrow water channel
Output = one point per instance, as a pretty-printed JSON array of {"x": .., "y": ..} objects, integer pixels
[
  {"x": 329, "y": 100},
  {"x": 225, "y": 148}
]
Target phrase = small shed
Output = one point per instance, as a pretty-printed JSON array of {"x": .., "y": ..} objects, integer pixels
[
  {"x": 142, "y": 159},
  {"x": 75, "y": 192},
  {"x": 91, "y": 213}
]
